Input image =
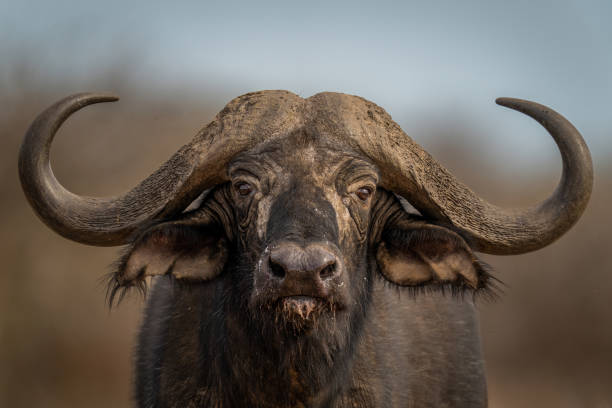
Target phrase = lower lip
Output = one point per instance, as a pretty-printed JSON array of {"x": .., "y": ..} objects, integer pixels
[
  {"x": 302, "y": 305},
  {"x": 301, "y": 300}
]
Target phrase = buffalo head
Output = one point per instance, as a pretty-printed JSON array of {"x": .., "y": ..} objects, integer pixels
[{"x": 294, "y": 203}]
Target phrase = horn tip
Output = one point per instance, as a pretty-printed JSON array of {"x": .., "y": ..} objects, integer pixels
[
  {"x": 520, "y": 105},
  {"x": 89, "y": 98},
  {"x": 507, "y": 101},
  {"x": 104, "y": 96}
]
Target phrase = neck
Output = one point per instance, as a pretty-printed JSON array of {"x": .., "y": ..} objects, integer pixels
[{"x": 266, "y": 366}]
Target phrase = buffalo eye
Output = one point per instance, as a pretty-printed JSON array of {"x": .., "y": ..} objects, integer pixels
[
  {"x": 363, "y": 193},
  {"x": 243, "y": 188}
]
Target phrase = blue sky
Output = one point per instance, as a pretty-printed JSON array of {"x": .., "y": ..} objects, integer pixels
[{"x": 421, "y": 61}]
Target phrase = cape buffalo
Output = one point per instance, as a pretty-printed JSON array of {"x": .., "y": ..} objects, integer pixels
[{"x": 290, "y": 274}]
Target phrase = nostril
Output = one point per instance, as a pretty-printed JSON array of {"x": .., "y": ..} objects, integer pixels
[
  {"x": 328, "y": 271},
  {"x": 277, "y": 270}
]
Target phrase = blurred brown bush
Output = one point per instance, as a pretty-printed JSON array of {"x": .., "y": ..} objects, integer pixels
[{"x": 548, "y": 340}]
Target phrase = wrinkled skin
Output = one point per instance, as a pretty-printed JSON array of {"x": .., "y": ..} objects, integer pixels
[{"x": 347, "y": 337}]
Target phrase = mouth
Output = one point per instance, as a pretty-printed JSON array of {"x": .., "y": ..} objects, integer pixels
[
  {"x": 297, "y": 314},
  {"x": 302, "y": 307},
  {"x": 300, "y": 314}
]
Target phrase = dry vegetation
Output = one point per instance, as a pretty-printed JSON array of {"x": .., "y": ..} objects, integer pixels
[{"x": 548, "y": 340}]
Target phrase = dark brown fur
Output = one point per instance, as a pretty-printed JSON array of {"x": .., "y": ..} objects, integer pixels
[{"x": 232, "y": 341}]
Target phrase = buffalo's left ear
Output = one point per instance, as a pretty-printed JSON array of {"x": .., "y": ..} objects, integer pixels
[{"x": 418, "y": 254}]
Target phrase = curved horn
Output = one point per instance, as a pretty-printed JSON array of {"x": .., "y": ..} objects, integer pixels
[
  {"x": 196, "y": 166},
  {"x": 411, "y": 172},
  {"x": 94, "y": 221}
]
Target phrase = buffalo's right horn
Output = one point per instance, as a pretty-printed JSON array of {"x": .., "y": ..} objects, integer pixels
[{"x": 197, "y": 166}]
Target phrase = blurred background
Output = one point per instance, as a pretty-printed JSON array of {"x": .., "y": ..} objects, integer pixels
[{"x": 436, "y": 67}]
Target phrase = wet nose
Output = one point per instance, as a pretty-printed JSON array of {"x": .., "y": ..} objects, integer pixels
[{"x": 292, "y": 263}]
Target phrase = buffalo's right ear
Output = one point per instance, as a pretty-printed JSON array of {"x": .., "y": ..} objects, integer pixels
[{"x": 187, "y": 251}]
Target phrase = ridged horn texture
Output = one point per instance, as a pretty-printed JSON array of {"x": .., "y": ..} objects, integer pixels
[
  {"x": 407, "y": 169},
  {"x": 337, "y": 120},
  {"x": 195, "y": 167}
]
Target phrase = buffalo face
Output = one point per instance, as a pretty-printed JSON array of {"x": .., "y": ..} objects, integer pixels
[
  {"x": 294, "y": 221},
  {"x": 297, "y": 236},
  {"x": 303, "y": 214}
]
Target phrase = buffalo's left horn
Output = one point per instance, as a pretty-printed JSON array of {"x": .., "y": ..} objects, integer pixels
[
  {"x": 408, "y": 170},
  {"x": 197, "y": 166}
]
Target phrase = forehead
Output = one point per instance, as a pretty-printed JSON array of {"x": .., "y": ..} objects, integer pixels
[{"x": 303, "y": 150}]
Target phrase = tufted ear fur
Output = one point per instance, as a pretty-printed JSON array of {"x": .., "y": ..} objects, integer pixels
[
  {"x": 186, "y": 251},
  {"x": 417, "y": 254}
]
